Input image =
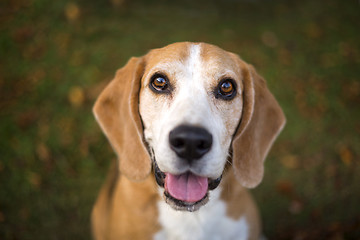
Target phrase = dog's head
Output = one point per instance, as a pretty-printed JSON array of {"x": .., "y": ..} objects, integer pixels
[{"x": 187, "y": 109}]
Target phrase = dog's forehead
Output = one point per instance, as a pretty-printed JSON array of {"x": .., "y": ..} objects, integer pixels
[
  {"x": 177, "y": 52},
  {"x": 174, "y": 57}
]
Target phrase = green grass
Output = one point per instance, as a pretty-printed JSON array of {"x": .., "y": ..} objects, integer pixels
[{"x": 56, "y": 57}]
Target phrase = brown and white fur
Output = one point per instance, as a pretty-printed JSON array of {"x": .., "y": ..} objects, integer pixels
[{"x": 138, "y": 119}]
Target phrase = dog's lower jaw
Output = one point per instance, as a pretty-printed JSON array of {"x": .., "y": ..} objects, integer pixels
[{"x": 185, "y": 206}]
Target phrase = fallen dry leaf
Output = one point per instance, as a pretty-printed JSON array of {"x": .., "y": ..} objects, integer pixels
[
  {"x": 43, "y": 152},
  {"x": 269, "y": 39},
  {"x": 118, "y": 3},
  {"x": 290, "y": 161},
  {"x": 72, "y": 11},
  {"x": 296, "y": 207},
  {"x": 346, "y": 155},
  {"x": 285, "y": 188},
  {"x": 313, "y": 30},
  {"x": 76, "y": 96},
  {"x": 34, "y": 179}
]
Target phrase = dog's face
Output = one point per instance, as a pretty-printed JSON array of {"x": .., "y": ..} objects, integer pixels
[
  {"x": 180, "y": 110},
  {"x": 190, "y": 106}
]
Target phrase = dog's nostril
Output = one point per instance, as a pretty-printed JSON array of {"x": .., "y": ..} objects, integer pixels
[
  {"x": 190, "y": 142},
  {"x": 201, "y": 145},
  {"x": 178, "y": 142}
]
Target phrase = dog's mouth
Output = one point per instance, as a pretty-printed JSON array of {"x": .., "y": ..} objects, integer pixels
[{"x": 186, "y": 191}]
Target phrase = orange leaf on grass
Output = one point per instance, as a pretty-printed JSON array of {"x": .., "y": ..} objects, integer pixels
[{"x": 76, "y": 96}]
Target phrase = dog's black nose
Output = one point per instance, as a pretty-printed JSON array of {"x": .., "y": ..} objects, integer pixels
[{"x": 190, "y": 142}]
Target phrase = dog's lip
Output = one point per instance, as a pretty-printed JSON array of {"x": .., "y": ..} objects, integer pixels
[
  {"x": 182, "y": 205},
  {"x": 159, "y": 175}
]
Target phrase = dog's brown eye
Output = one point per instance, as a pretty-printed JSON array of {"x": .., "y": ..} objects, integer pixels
[
  {"x": 226, "y": 89},
  {"x": 159, "y": 83}
]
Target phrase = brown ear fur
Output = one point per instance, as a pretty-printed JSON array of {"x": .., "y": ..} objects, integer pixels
[
  {"x": 261, "y": 122},
  {"x": 117, "y": 112}
]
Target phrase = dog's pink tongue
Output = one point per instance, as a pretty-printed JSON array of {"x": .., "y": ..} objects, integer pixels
[{"x": 186, "y": 187}]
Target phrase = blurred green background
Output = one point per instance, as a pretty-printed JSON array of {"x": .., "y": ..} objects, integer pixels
[{"x": 56, "y": 56}]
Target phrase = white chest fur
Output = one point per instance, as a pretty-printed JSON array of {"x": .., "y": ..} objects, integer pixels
[{"x": 210, "y": 222}]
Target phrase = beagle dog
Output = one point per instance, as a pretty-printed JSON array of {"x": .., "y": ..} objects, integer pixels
[{"x": 191, "y": 125}]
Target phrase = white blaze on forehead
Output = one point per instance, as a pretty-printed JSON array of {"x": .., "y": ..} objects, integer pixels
[
  {"x": 194, "y": 62},
  {"x": 191, "y": 100}
]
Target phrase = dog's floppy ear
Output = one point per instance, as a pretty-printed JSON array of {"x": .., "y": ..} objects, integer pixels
[
  {"x": 261, "y": 122},
  {"x": 117, "y": 112}
]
